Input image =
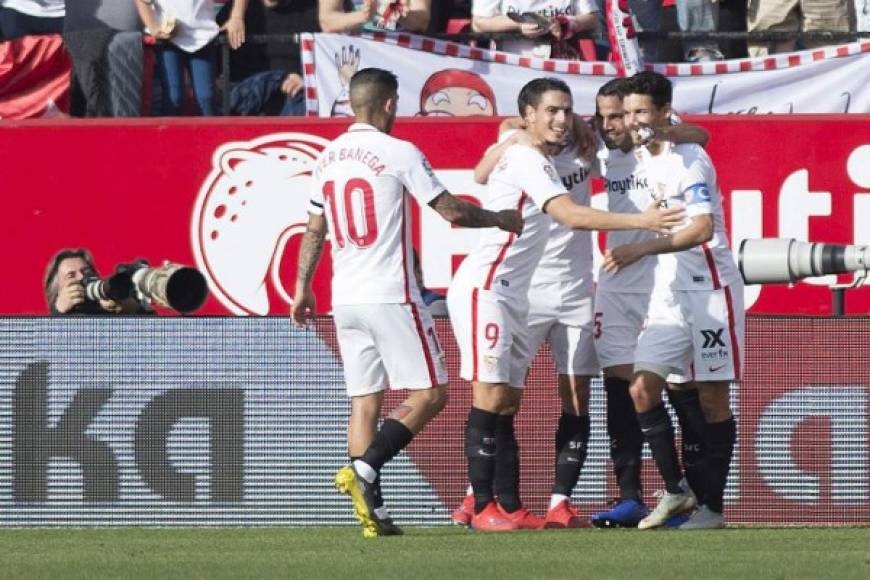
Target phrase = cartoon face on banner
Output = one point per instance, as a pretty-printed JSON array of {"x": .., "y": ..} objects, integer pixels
[
  {"x": 252, "y": 202},
  {"x": 456, "y": 93}
]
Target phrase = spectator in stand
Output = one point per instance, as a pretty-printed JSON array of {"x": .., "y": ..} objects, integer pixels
[
  {"x": 188, "y": 29},
  {"x": 268, "y": 76},
  {"x": 795, "y": 15},
  {"x": 407, "y": 15},
  {"x": 90, "y": 32},
  {"x": 692, "y": 16},
  {"x": 25, "y": 17},
  {"x": 699, "y": 16},
  {"x": 565, "y": 19}
]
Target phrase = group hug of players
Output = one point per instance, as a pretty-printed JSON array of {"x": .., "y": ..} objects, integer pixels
[{"x": 666, "y": 315}]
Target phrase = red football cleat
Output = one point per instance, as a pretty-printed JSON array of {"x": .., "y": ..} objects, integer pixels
[
  {"x": 462, "y": 515},
  {"x": 492, "y": 519},
  {"x": 563, "y": 516},
  {"x": 523, "y": 519}
]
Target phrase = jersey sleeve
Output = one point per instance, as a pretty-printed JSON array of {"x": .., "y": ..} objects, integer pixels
[
  {"x": 315, "y": 198},
  {"x": 535, "y": 173},
  {"x": 418, "y": 176},
  {"x": 696, "y": 186}
]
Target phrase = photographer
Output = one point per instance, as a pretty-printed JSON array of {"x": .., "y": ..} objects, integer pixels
[{"x": 64, "y": 287}]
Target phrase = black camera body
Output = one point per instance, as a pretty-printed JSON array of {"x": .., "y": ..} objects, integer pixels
[
  {"x": 181, "y": 288},
  {"x": 117, "y": 287}
]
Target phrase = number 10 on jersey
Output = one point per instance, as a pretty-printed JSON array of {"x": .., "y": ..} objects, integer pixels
[{"x": 357, "y": 193}]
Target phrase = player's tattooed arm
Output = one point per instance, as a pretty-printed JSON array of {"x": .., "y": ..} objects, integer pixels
[
  {"x": 311, "y": 249},
  {"x": 468, "y": 215},
  {"x": 309, "y": 256}
]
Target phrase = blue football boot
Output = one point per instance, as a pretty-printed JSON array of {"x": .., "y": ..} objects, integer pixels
[{"x": 624, "y": 513}]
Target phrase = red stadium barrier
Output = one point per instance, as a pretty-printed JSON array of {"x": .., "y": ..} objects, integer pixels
[{"x": 230, "y": 196}]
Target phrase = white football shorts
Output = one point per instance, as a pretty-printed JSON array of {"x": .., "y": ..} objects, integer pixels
[
  {"x": 388, "y": 345},
  {"x": 617, "y": 323},
  {"x": 560, "y": 313},
  {"x": 490, "y": 332},
  {"x": 703, "y": 329}
]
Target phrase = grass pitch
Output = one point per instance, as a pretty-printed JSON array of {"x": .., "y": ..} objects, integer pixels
[{"x": 451, "y": 553}]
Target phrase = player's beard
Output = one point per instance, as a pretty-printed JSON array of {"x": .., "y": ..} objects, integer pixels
[{"x": 390, "y": 120}]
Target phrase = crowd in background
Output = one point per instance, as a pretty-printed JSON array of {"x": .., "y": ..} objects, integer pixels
[{"x": 266, "y": 78}]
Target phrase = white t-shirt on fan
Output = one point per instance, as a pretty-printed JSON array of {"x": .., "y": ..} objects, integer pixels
[{"x": 529, "y": 46}]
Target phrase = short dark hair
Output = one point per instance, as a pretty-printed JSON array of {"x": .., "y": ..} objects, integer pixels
[
  {"x": 531, "y": 93},
  {"x": 652, "y": 84},
  {"x": 617, "y": 87},
  {"x": 371, "y": 87},
  {"x": 50, "y": 281}
]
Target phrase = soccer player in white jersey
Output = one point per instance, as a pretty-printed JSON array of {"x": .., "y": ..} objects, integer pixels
[
  {"x": 696, "y": 314},
  {"x": 621, "y": 305},
  {"x": 560, "y": 313},
  {"x": 361, "y": 194},
  {"x": 488, "y": 298}
]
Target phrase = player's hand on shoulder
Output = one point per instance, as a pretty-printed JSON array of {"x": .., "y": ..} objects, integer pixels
[
  {"x": 510, "y": 220},
  {"x": 662, "y": 219}
]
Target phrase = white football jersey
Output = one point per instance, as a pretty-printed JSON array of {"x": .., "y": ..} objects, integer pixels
[
  {"x": 525, "y": 180},
  {"x": 685, "y": 177},
  {"x": 361, "y": 183},
  {"x": 628, "y": 191},
  {"x": 568, "y": 254}
]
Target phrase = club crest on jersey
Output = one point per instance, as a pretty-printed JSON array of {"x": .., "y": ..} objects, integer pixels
[
  {"x": 698, "y": 193},
  {"x": 551, "y": 172},
  {"x": 490, "y": 362}
]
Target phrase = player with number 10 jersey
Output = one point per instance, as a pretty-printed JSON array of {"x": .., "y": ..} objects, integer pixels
[{"x": 362, "y": 181}]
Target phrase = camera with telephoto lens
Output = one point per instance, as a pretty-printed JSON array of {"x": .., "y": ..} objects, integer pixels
[
  {"x": 117, "y": 287},
  {"x": 181, "y": 288},
  {"x": 779, "y": 261}
]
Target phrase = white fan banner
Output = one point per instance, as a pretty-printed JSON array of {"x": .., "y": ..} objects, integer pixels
[{"x": 441, "y": 78}]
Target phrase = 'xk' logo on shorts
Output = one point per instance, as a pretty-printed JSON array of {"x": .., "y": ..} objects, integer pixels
[{"x": 712, "y": 338}]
